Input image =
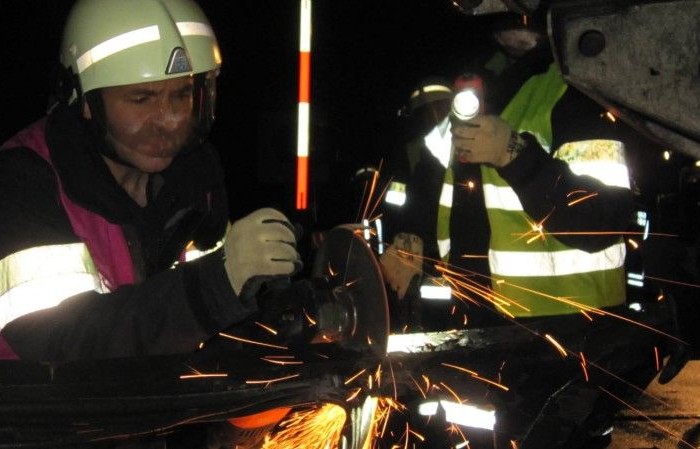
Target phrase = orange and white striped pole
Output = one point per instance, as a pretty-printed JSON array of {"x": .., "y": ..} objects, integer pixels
[{"x": 304, "y": 105}]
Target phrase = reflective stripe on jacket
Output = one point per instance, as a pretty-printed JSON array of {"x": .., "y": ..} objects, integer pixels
[
  {"x": 43, "y": 276},
  {"x": 535, "y": 274}
]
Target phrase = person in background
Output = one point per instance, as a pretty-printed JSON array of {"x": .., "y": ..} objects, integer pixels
[
  {"x": 115, "y": 236},
  {"x": 525, "y": 218},
  {"x": 426, "y": 135}
]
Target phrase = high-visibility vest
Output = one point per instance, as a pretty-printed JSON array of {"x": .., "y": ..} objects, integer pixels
[
  {"x": 542, "y": 276},
  {"x": 43, "y": 276}
]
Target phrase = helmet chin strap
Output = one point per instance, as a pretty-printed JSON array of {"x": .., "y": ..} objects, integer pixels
[{"x": 97, "y": 125}]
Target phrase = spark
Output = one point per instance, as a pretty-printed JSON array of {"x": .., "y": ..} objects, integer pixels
[
  {"x": 474, "y": 256},
  {"x": 378, "y": 375},
  {"x": 310, "y": 429},
  {"x": 668, "y": 281},
  {"x": 583, "y": 198},
  {"x": 368, "y": 194},
  {"x": 354, "y": 394},
  {"x": 267, "y": 328},
  {"x": 574, "y": 192},
  {"x": 465, "y": 441},
  {"x": 253, "y": 342},
  {"x": 585, "y": 314},
  {"x": 277, "y": 361},
  {"x": 271, "y": 381},
  {"x": 476, "y": 375},
  {"x": 420, "y": 390},
  {"x": 469, "y": 184},
  {"x": 460, "y": 368},
  {"x": 452, "y": 392},
  {"x": 426, "y": 379},
  {"x": 196, "y": 374},
  {"x": 583, "y": 366},
  {"x": 354, "y": 376},
  {"x": 416, "y": 434},
  {"x": 311, "y": 321},
  {"x": 538, "y": 229},
  {"x": 556, "y": 344},
  {"x": 633, "y": 243},
  {"x": 202, "y": 376},
  {"x": 393, "y": 380},
  {"x": 656, "y": 359},
  {"x": 609, "y": 115},
  {"x": 350, "y": 283},
  {"x": 331, "y": 271}
]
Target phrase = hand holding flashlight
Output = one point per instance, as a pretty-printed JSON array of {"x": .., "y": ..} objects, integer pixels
[{"x": 481, "y": 139}]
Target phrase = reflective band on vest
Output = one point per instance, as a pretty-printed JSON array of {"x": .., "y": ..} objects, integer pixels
[
  {"x": 537, "y": 273},
  {"x": 501, "y": 198},
  {"x": 439, "y": 142},
  {"x": 600, "y": 158},
  {"x": 555, "y": 263},
  {"x": 446, "y": 195},
  {"x": 41, "y": 277},
  {"x": 396, "y": 194}
]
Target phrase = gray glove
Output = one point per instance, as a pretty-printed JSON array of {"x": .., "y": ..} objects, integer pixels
[{"x": 260, "y": 247}]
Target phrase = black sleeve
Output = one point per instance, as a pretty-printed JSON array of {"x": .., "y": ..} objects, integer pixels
[
  {"x": 545, "y": 185},
  {"x": 171, "y": 312},
  {"x": 419, "y": 214},
  {"x": 32, "y": 214}
]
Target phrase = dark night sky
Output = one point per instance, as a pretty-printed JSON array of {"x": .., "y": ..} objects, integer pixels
[{"x": 367, "y": 56}]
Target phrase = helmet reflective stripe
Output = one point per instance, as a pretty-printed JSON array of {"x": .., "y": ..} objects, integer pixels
[
  {"x": 137, "y": 37},
  {"x": 117, "y": 44},
  {"x": 41, "y": 277},
  {"x": 195, "y": 29},
  {"x": 555, "y": 263}
]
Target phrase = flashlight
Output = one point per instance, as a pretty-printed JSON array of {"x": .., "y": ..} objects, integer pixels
[{"x": 465, "y": 105}]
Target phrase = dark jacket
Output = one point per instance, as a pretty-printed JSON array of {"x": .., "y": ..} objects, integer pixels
[{"x": 165, "y": 310}]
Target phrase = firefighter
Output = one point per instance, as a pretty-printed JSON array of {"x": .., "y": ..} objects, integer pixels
[
  {"x": 108, "y": 198},
  {"x": 526, "y": 216},
  {"x": 425, "y": 134}
]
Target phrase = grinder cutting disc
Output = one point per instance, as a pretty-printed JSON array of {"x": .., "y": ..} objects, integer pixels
[{"x": 349, "y": 264}]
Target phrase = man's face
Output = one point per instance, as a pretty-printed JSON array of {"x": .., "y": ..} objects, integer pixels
[{"x": 149, "y": 123}]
